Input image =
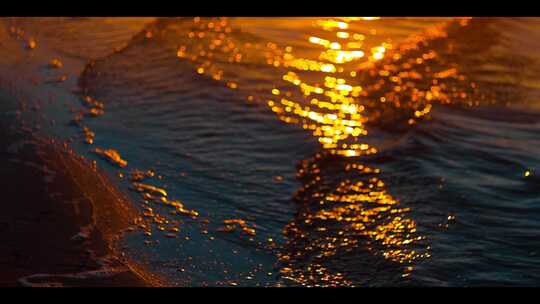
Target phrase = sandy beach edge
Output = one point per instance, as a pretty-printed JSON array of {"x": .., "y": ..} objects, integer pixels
[{"x": 62, "y": 216}]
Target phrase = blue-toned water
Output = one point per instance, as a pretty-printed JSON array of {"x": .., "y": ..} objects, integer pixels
[{"x": 346, "y": 151}]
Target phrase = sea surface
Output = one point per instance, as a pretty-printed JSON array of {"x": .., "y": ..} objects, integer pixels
[{"x": 351, "y": 151}]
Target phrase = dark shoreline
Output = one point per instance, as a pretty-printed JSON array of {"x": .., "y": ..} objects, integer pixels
[{"x": 61, "y": 216}]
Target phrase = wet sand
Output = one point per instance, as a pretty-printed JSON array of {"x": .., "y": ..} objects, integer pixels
[{"x": 60, "y": 216}]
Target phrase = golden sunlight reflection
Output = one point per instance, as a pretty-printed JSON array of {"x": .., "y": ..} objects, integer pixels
[
  {"x": 332, "y": 114},
  {"x": 345, "y": 219}
]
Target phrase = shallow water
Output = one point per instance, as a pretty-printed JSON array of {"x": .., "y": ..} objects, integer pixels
[{"x": 349, "y": 151}]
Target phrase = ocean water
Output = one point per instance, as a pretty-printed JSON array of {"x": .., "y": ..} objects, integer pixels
[{"x": 351, "y": 151}]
